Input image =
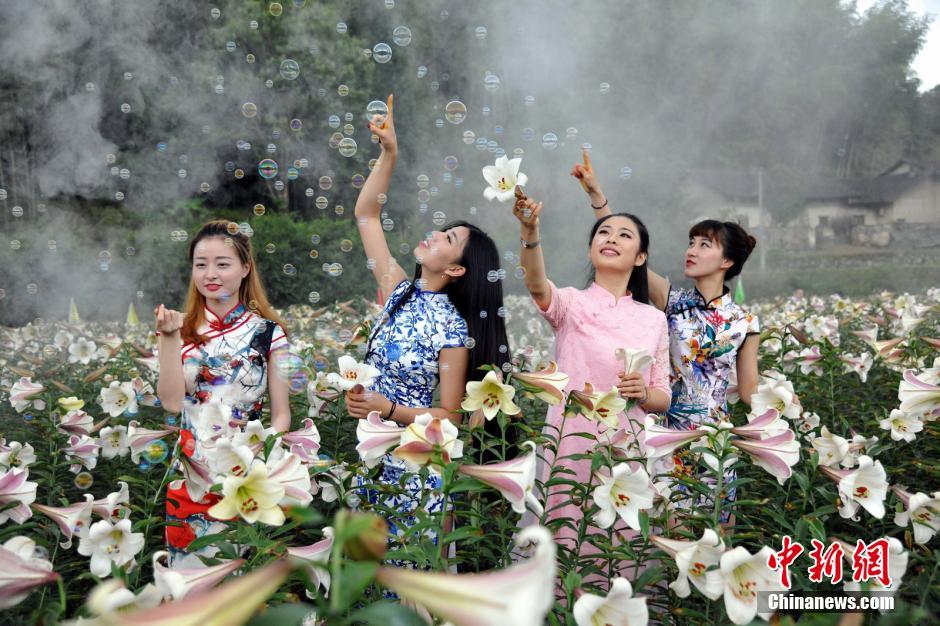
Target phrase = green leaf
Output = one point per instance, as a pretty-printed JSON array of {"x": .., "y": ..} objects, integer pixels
[
  {"x": 354, "y": 577},
  {"x": 644, "y": 524},
  {"x": 283, "y": 615},
  {"x": 387, "y": 614}
]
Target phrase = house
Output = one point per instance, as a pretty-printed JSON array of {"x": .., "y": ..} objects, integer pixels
[{"x": 898, "y": 208}]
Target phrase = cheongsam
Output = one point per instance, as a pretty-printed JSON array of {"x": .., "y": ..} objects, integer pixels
[
  {"x": 704, "y": 339},
  {"x": 231, "y": 367},
  {"x": 405, "y": 349}
]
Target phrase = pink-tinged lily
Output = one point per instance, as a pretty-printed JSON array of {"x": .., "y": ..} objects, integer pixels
[
  {"x": 744, "y": 575},
  {"x": 623, "y": 491},
  {"x": 922, "y": 512},
  {"x": 515, "y": 479},
  {"x": 376, "y": 436},
  {"x": 82, "y": 451},
  {"x": 108, "y": 543},
  {"x": 920, "y": 392},
  {"x": 73, "y": 520},
  {"x": 620, "y": 607},
  {"x": 660, "y": 441},
  {"x": 520, "y": 595},
  {"x": 138, "y": 438},
  {"x": 549, "y": 381},
  {"x": 22, "y": 395},
  {"x": 932, "y": 342},
  {"x": 14, "y": 488},
  {"x": 178, "y": 582},
  {"x": 831, "y": 448},
  {"x": 111, "y": 597},
  {"x": 315, "y": 558},
  {"x": 502, "y": 178},
  {"x": 694, "y": 560},
  {"x": 307, "y": 438},
  {"x": 233, "y": 602},
  {"x": 809, "y": 359},
  {"x": 860, "y": 364},
  {"x": 76, "y": 422},
  {"x": 865, "y": 486},
  {"x": 197, "y": 478},
  {"x": 21, "y": 571},
  {"x": 294, "y": 477},
  {"x": 491, "y": 395},
  {"x": 775, "y": 454},
  {"x": 762, "y": 426},
  {"x": 17, "y": 455},
  {"x": 254, "y": 497},
  {"x": 903, "y": 426},
  {"x": 112, "y": 505},
  {"x": 425, "y": 436},
  {"x": 623, "y": 442},
  {"x": 868, "y": 335},
  {"x": 143, "y": 392}
]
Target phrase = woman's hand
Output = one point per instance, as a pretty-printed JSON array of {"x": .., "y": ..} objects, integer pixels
[
  {"x": 632, "y": 387},
  {"x": 168, "y": 320},
  {"x": 360, "y": 402},
  {"x": 385, "y": 129},
  {"x": 584, "y": 172},
  {"x": 526, "y": 211}
]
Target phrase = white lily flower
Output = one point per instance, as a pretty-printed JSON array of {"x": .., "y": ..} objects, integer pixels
[
  {"x": 775, "y": 454},
  {"x": 693, "y": 559},
  {"x": 830, "y": 448},
  {"x": 502, "y": 179},
  {"x": 635, "y": 360},
  {"x": 254, "y": 497},
  {"x": 111, "y": 597},
  {"x": 16, "y": 455},
  {"x": 619, "y": 607},
  {"x": 76, "y": 422},
  {"x": 605, "y": 407},
  {"x": 744, "y": 575},
  {"x": 294, "y": 477},
  {"x": 212, "y": 420},
  {"x": 425, "y": 435},
  {"x": 22, "y": 392},
  {"x": 82, "y": 351},
  {"x": 515, "y": 479},
  {"x": 858, "y": 445},
  {"x": 352, "y": 373},
  {"x": 520, "y": 595},
  {"x": 224, "y": 458},
  {"x": 550, "y": 381},
  {"x": 922, "y": 512},
  {"x": 776, "y": 392},
  {"x": 491, "y": 395},
  {"x": 178, "y": 582},
  {"x": 375, "y": 437},
  {"x": 623, "y": 491},
  {"x": 82, "y": 451},
  {"x": 112, "y": 505},
  {"x": 809, "y": 359},
  {"x": 138, "y": 438},
  {"x": 860, "y": 364},
  {"x": 118, "y": 398},
  {"x": 315, "y": 558},
  {"x": 253, "y": 436},
  {"x": 108, "y": 543},
  {"x": 113, "y": 441},
  {"x": 919, "y": 393},
  {"x": 903, "y": 426},
  {"x": 21, "y": 570},
  {"x": 865, "y": 486},
  {"x": 73, "y": 520}
]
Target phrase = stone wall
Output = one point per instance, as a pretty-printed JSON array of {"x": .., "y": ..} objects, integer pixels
[{"x": 899, "y": 235}]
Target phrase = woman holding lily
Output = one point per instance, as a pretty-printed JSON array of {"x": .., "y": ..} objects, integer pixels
[
  {"x": 436, "y": 329},
  {"x": 594, "y": 328}
]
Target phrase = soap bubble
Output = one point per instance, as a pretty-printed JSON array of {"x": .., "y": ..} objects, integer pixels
[
  {"x": 455, "y": 111},
  {"x": 605, "y": 88},
  {"x": 376, "y": 108},
  {"x": 439, "y": 218},
  {"x": 529, "y": 100},
  {"x": 549, "y": 141},
  {"x": 480, "y": 32},
  {"x": 382, "y": 53},
  {"x": 626, "y": 172},
  {"x": 125, "y": 108},
  {"x": 422, "y": 71},
  {"x": 289, "y": 269},
  {"x": 321, "y": 202},
  {"x": 491, "y": 82},
  {"x": 341, "y": 28},
  {"x": 325, "y": 182},
  {"x": 358, "y": 180},
  {"x": 290, "y": 69},
  {"x": 292, "y": 174},
  {"x": 156, "y": 451},
  {"x": 296, "y": 124},
  {"x": 571, "y": 133},
  {"x": 346, "y": 245},
  {"x": 270, "y": 248},
  {"x": 469, "y": 137},
  {"x": 275, "y": 9},
  {"x": 343, "y": 90},
  {"x": 249, "y": 109},
  {"x": 313, "y": 297},
  {"x": 450, "y": 163},
  {"x": 422, "y": 181},
  {"x": 333, "y": 270},
  {"x": 401, "y": 36},
  {"x": 347, "y": 146},
  {"x": 267, "y": 168},
  {"x": 215, "y": 13},
  {"x": 333, "y": 121},
  {"x": 84, "y": 480},
  {"x": 528, "y": 134}
]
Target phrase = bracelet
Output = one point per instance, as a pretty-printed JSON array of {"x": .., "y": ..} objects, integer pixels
[
  {"x": 529, "y": 244},
  {"x": 598, "y": 208},
  {"x": 391, "y": 411}
]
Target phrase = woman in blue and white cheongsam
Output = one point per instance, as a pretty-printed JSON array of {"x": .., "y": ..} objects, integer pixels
[{"x": 436, "y": 329}]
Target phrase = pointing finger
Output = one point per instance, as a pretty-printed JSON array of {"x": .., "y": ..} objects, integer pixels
[{"x": 587, "y": 159}]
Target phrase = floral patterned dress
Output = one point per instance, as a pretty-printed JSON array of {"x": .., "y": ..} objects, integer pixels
[
  {"x": 405, "y": 349},
  {"x": 231, "y": 367},
  {"x": 704, "y": 339}
]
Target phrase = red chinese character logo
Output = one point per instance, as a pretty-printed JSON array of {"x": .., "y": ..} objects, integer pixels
[
  {"x": 782, "y": 560},
  {"x": 826, "y": 563},
  {"x": 871, "y": 561}
]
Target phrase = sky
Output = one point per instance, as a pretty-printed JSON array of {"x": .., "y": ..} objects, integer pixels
[{"x": 927, "y": 63}]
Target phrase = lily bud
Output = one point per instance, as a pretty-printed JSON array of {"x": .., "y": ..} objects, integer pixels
[{"x": 372, "y": 542}]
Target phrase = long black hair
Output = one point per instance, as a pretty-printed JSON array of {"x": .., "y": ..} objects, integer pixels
[
  {"x": 478, "y": 297},
  {"x": 638, "y": 285}
]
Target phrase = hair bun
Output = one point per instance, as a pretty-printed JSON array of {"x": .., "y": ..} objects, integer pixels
[{"x": 751, "y": 243}]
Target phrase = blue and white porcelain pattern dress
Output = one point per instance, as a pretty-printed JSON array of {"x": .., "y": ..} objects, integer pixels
[
  {"x": 704, "y": 339},
  {"x": 405, "y": 349}
]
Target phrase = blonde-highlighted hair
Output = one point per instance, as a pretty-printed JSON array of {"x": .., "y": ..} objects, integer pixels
[{"x": 251, "y": 292}]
